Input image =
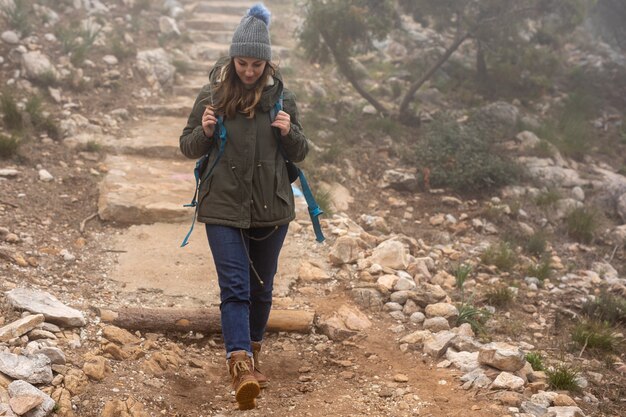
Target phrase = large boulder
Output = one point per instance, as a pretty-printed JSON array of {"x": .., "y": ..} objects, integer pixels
[
  {"x": 37, "y": 67},
  {"x": 156, "y": 66},
  {"x": 391, "y": 254},
  {"x": 40, "y": 302},
  {"x": 502, "y": 356}
]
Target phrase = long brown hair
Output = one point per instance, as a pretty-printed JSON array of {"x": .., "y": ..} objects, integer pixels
[{"x": 232, "y": 95}]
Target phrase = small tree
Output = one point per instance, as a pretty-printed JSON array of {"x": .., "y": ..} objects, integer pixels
[{"x": 342, "y": 28}]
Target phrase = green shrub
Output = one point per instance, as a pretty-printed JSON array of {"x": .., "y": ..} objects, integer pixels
[
  {"x": 581, "y": 224},
  {"x": 324, "y": 200},
  {"x": 17, "y": 16},
  {"x": 541, "y": 271},
  {"x": 475, "y": 316},
  {"x": 594, "y": 335},
  {"x": 11, "y": 115},
  {"x": 548, "y": 198},
  {"x": 463, "y": 159},
  {"x": 500, "y": 255},
  {"x": 571, "y": 131},
  {"x": 499, "y": 297},
  {"x": 535, "y": 360},
  {"x": 563, "y": 377},
  {"x": 93, "y": 146},
  {"x": 536, "y": 244},
  {"x": 121, "y": 49},
  {"x": 8, "y": 146},
  {"x": 461, "y": 273},
  {"x": 607, "y": 308},
  {"x": 76, "y": 40}
]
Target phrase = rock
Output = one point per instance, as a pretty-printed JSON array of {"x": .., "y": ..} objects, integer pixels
[
  {"x": 23, "y": 388},
  {"x": 40, "y": 302},
  {"x": 502, "y": 356},
  {"x": 22, "y": 404},
  {"x": 110, "y": 60},
  {"x": 465, "y": 361},
  {"x": 10, "y": 37},
  {"x": 463, "y": 343},
  {"x": 369, "y": 110},
  {"x": 425, "y": 294},
  {"x": 400, "y": 378},
  {"x": 417, "y": 317},
  {"x": 37, "y": 67},
  {"x": 509, "y": 398},
  {"x": 45, "y": 176},
  {"x": 476, "y": 378},
  {"x": 155, "y": 65},
  {"x": 436, "y": 324},
  {"x": 621, "y": 207},
  {"x": 129, "y": 408},
  {"x": 9, "y": 172},
  {"x": 437, "y": 344},
  {"x": 404, "y": 284},
  {"x": 533, "y": 409},
  {"x": 416, "y": 338},
  {"x": 96, "y": 368},
  {"x": 75, "y": 381},
  {"x": 34, "y": 369},
  {"x": 168, "y": 26},
  {"x": 507, "y": 381},
  {"x": 565, "y": 412},
  {"x": 63, "y": 400},
  {"x": 20, "y": 327},
  {"x": 501, "y": 112},
  {"x": 563, "y": 400},
  {"x": 5, "y": 409},
  {"x": 346, "y": 322},
  {"x": 445, "y": 310},
  {"x": 401, "y": 180},
  {"x": 120, "y": 336},
  {"x": 387, "y": 281},
  {"x": 56, "y": 355},
  {"x": 345, "y": 251},
  {"x": 368, "y": 298},
  {"x": 527, "y": 140},
  {"x": 311, "y": 273},
  {"x": 390, "y": 254}
]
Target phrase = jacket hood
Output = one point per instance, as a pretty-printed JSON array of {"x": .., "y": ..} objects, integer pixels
[{"x": 271, "y": 92}]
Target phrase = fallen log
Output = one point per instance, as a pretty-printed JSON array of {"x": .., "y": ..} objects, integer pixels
[{"x": 204, "y": 320}]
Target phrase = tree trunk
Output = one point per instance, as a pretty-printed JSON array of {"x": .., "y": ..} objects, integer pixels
[
  {"x": 346, "y": 69},
  {"x": 482, "y": 74},
  {"x": 408, "y": 97},
  {"x": 205, "y": 320}
]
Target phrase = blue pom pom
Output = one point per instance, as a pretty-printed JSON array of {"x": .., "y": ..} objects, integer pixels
[{"x": 260, "y": 12}]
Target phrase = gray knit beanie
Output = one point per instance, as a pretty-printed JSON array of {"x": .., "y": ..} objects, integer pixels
[{"x": 252, "y": 37}]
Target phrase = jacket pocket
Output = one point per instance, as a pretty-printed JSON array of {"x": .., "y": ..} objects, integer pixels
[
  {"x": 269, "y": 202},
  {"x": 224, "y": 193}
]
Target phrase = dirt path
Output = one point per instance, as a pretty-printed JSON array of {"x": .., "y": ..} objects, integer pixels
[{"x": 147, "y": 181}]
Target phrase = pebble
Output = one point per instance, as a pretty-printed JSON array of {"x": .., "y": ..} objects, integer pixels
[
  {"x": 45, "y": 176},
  {"x": 400, "y": 378}
]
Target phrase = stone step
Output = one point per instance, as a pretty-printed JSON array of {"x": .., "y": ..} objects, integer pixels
[
  {"x": 153, "y": 136},
  {"x": 238, "y": 8},
  {"x": 151, "y": 258},
  {"x": 212, "y": 22},
  {"x": 211, "y": 51},
  {"x": 190, "y": 85},
  {"x": 218, "y": 36},
  {"x": 140, "y": 190},
  {"x": 174, "y": 106}
]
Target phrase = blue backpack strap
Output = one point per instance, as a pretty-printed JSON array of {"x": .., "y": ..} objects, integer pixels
[
  {"x": 220, "y": 133},
  {"x": 314, "y": 210}
]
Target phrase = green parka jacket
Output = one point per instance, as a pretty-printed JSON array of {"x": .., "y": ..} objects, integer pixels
[{"x": 249, "y": 186}]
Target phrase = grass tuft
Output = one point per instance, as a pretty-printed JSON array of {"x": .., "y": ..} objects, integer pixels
[
  {"x": 17, "y": 16},
  {"x": 541, "y": 271},
  {"x": 548, "y": 198},
  {"x": 581, "y": 224},
  {"x": 499, "y": 297},
  {"x": 501, "y": 255},
  {"x": 475, "y": 316},
  {"x": 8, "y": 146},
  {"x": 11, "y": 115},
  {"x": 536, "y": 244},
  {"x": 324, "y": 200},
  {"x": 563, "y": 377},
  {"x": 594, "y": 335},
  {"x": 536, "y": 361},
  {"x": 607, "y": 308}
]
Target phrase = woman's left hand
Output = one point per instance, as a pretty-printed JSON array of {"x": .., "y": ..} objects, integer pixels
[{"x": 283, "y": 122}]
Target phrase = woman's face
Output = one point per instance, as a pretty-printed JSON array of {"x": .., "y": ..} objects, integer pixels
[{"x": 249, "y": 70}]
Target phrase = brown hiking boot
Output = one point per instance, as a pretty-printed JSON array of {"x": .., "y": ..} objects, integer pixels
[
  {"x": 245, "y": 384},
  {"x": 256, "y": 350}
]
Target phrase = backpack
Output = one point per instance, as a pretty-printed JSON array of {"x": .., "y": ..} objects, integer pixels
[{"x": 292, "y": 170}]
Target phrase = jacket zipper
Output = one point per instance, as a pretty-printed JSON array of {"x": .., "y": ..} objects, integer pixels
[{"x": 261, "y": 185}]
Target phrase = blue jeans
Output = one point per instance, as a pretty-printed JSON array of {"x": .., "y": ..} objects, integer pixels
[{"x": 245, "y": 302}]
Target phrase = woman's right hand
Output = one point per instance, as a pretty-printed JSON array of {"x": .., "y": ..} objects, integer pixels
[{"x": 209, "y": 121}]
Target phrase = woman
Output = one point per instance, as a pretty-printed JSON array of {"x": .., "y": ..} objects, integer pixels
[{"x": 246, "y": 199}]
